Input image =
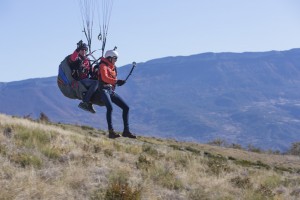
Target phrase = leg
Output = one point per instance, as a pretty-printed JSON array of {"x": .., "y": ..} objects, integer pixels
[
  {"x": 116, "y": 99},
  {"x": 92, "y": 86},
  {"x": 121, "y": 103},
  {"x": 105, "y": 96}
]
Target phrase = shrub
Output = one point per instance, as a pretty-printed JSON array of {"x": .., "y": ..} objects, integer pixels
[
  {"x": 176, "y": 147},
  {"x": 246, "y": 163},
  {"x": 254, "y": 149},
  {"x": 193, "y": 150},
  {"x": 235, "y": 146},
  {"x": 43, "y": 117},
  {"x": 148, "y": 149},
  {"x": 143, "y": 163},
  {"x": 7, "y": 132},
  {"x": 265, "y": 191},
  {"x": 108, "y": 152},
  {"x": 218, "y": 142},
  {"x": 83, "y": 127},
  {"x": 295, "y": 149},
  {"x": 119, "y": 189},
  {"x": 217, "y": 165},
  {"x": 240, "y": 182}
]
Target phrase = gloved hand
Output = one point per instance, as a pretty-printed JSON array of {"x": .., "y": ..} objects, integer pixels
[
  {"x": 79, "y": 45},
  {"x": 120, "y": 82}
]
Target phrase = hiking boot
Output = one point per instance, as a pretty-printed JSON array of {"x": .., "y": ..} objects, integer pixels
[
  {"x": 87, "y": 107},
  {"x": 92, "y": 110},
  {"x": 112, "y": 134},
  {"x": 128, "y": 134}
]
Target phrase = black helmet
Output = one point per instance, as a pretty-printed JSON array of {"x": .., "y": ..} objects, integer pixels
[
  {"x": 84, "y": 46},
  {"x": 81, "y": 45}
]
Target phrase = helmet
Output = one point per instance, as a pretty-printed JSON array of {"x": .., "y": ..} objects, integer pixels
[
  {"x": 111, "y": 53},
  {"x": 84, "y": 46}
]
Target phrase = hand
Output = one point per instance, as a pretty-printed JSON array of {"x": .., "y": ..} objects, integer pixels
[{"x": 120, "y": 82}]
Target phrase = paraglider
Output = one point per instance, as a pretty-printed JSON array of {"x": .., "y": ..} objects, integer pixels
[{"x": 102, "y": 78}]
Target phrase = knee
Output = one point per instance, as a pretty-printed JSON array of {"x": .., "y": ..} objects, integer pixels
[
  {"x": 109, "y": 108},
  {"x": 126, "y": 108},
  {"x": 95, "y": 85}
]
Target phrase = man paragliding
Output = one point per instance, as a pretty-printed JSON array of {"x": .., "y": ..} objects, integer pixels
[
  {"x": 80, "y": 71},
  {"x": 107, "y": 76}
]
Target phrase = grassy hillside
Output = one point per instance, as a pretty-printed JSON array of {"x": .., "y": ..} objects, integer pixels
[{"x": 42, "y": 160}]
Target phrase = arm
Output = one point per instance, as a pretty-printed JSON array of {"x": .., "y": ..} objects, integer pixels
[{"x": 74, "y": 56}]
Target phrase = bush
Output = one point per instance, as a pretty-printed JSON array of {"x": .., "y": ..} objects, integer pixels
[
  {"x": 265, "y": 191},
  {"x": 216, "y": 166},
  {"x": 143, "y": 163},
  {"x": 295, "y": 149},
  {"x": 119, "y": 189},
  {"x": 254, "y": 149},
  {"x": 240, "y": 182},
  {"x": 218, "y": 142},
  {"x": 43, "y": 117},
  {"x": 148, "y": 149}
]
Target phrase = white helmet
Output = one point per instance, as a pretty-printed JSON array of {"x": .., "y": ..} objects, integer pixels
[{"x": 111, "y": 53}]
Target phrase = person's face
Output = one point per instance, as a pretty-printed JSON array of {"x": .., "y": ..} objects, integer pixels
[
  {"x": 114, "y": 59},
  {"x": 82, "y": 52}
]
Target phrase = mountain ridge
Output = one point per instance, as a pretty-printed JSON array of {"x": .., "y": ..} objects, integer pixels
[{"x": 245, "y": 98}]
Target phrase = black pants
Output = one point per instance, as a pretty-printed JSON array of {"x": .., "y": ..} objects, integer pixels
[
  {"x": 92, "y": 86},
  {"x": 108, "y": 96}
]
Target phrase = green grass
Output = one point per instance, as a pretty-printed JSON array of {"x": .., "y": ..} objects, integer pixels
[{"x": 25, "y": 159}]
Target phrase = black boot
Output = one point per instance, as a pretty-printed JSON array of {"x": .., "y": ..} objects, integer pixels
[
  {"x": 128, "y": 134},
  {"x": 112, "y": 134},
  {"x": 87, "y": 107},
  {"x": 91, "y": 108}
]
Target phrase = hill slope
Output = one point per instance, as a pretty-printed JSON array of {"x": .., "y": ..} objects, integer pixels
[
  {"x": 245, "y": 98},
  {"x": 42, "y": 160}
]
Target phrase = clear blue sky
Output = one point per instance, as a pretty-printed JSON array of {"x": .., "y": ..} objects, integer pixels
[{"x": 37, "y": 34}]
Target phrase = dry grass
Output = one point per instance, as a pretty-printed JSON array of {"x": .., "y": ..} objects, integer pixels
[{"x": 57, "y": 161}]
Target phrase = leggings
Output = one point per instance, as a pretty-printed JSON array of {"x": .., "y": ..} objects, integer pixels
[{"x": 108, "y": 96}]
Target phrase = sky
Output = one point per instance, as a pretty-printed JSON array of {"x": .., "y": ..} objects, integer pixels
[{"x": 37, "y": 35}]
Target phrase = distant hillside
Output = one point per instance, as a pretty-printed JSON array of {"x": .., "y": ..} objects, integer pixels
[
  {"x": 44, "y": 160},
  {"x": 246, "y": 98}
]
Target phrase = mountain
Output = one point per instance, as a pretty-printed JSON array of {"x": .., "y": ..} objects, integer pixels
[{"x": 245, "y": 98}]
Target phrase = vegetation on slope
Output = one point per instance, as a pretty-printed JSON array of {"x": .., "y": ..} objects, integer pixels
[{"x": 42, "y": 160}]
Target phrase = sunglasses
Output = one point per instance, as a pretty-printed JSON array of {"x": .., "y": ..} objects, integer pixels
[{"x": 116, "y": 58}]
